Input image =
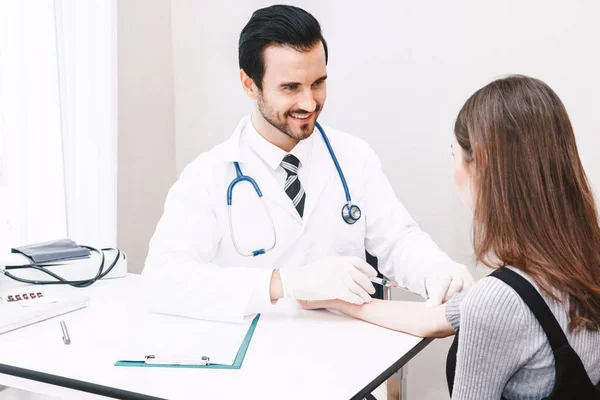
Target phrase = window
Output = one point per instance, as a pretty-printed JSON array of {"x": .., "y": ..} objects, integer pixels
[{"x": 57, "y": 122}]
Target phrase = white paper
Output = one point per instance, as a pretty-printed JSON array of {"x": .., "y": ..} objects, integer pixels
[
  {"x": 38, "y": 301},
  {"x": 167, "y": 336}
]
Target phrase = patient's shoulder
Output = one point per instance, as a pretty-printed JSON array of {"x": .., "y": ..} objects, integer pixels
[{"x": 491, "y": 303}]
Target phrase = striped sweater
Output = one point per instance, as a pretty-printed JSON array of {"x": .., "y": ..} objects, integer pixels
[{"x": 503, "y": 349}]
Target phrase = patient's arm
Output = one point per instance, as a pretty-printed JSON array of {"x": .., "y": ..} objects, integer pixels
[{"x": 405, "y": 316}]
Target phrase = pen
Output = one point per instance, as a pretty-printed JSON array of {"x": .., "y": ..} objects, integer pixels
[
  {"x": 65, "y": 332},
  {"x": 383, "y": 281}
]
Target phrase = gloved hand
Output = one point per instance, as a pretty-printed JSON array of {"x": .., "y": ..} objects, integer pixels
[
  {"x": 343, "y": 278},
  {"x": 450, "y": 279}
]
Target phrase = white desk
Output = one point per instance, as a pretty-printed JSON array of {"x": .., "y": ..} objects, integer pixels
[{"x": 294, "y": 354}]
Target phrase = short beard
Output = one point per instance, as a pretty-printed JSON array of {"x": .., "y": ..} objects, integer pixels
[{"x": 283, "y": 126}]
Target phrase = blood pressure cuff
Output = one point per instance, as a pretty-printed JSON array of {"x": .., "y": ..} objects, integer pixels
[{"x": 57, "y": 250}]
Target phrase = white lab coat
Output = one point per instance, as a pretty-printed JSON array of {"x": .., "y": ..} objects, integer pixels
[{"x": 192, "y": 268}]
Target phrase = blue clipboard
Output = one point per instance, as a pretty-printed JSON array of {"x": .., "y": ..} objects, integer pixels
[{"x": 237, "y": 363}]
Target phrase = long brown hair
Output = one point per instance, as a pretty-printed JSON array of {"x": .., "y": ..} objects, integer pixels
[{"x": 533, "y": 206}]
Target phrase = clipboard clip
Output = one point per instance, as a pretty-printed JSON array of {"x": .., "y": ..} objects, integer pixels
[{"x": 175, "y": 360}]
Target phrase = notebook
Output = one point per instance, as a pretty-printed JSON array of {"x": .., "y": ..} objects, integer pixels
[{"x": 32, "y": 309}]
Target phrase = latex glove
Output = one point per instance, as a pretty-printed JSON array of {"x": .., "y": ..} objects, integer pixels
[
  {"x": 451, "y": 279},
  {"x": 343, "y": 278}
]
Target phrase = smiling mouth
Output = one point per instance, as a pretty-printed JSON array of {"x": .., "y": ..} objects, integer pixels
[{"x": 300, "y": 117}]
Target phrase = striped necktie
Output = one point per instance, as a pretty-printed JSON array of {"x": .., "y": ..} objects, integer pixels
[{"x": 293, "y": 188}]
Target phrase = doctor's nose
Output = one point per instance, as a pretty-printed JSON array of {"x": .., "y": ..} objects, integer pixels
[{"x": 307, "y": 101}]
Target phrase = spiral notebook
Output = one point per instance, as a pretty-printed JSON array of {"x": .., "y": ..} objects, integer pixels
[{"x": 32, "y": 306}]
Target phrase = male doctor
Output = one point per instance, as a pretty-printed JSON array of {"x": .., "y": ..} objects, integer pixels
[{"x": 211, "y": 261}]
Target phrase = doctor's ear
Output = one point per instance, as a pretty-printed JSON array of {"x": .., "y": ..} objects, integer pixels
[{"x": 248, "y": 85}]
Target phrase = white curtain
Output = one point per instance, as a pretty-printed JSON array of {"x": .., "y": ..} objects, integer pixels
[{"x": 58, "y": 121}]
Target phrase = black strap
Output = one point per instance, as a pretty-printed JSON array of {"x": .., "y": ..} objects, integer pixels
[
  {"x": 571, "y": 378},
  {"x": 536, "y": 303}
]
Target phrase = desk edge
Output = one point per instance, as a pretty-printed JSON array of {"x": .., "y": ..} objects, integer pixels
[
  {"x": 75, "y": 384},
  {"x": 375, "y": 383},
  {"x": 126, "y": 395}
]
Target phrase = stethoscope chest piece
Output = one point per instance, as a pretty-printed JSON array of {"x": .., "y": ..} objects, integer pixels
[{"x": 351, "y": 213}]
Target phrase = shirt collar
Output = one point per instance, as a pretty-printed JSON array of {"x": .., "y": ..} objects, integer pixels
[{"x": 271, "y": 154}]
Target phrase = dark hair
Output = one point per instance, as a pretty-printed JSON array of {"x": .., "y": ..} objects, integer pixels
[
  {"x": 279, "y": 24},
  {"x": 533, "y": 206}
]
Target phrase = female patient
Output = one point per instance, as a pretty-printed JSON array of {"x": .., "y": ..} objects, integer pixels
[{"x": 517, "y": 165}]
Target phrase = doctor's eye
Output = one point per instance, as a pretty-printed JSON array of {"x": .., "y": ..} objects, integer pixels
[{"x": 290, "y": 86}]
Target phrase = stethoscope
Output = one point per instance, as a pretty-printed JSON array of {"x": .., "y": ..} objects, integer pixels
[
  {"x": 58, "y": 280},
  {"x": 350, "y": 213}
]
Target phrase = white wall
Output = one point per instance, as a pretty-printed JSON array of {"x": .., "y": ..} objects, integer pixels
[
  {"x": 146, "y": 139},
  {"x": 398, "y": 74}
]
